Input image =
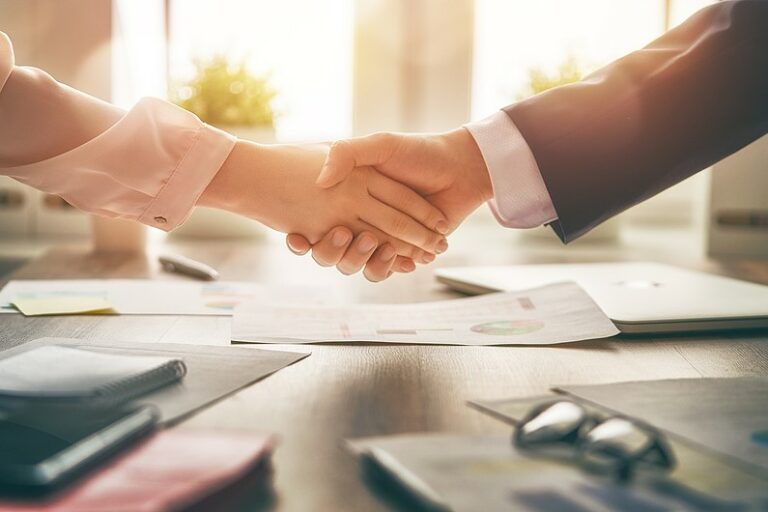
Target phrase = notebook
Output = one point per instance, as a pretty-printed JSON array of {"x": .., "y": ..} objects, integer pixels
[{"x": 77, "y": 374}]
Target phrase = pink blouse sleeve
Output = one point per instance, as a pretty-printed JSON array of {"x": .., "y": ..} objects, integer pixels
[{"x": 149, "y": 164}]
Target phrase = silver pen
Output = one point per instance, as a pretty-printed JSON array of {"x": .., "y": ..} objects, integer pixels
[{"x": 188, "y": 267}]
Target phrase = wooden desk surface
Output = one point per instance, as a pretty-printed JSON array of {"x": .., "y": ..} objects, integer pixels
[{"x": 362, "y": 390}]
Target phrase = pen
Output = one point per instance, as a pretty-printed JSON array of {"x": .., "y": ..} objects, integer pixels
[{"x": 188, "y": 267}]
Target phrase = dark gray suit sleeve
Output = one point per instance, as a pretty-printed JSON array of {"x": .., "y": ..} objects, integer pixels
[{"x": 652, "y": 118}]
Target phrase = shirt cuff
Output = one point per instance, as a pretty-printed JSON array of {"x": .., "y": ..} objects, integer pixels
[
  {"x": 520, "y": 197},
  {"x": 174, "y": 203}
]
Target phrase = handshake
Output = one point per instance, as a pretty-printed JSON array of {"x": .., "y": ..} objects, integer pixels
[{"x": 381, "y": 203}]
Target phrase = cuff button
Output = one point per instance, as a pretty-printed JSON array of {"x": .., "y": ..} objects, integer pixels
[{"x": 161, "y": 220}]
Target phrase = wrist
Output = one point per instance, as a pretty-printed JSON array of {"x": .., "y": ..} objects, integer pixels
[
  {"x": 471, "y": 162},
  {"x": 236, "y": 186}
]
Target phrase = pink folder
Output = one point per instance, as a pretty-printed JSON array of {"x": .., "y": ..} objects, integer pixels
[{"x": 171, "y": 470}]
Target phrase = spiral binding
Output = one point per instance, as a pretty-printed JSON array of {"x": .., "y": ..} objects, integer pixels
[{"x": 137, "y": 385}]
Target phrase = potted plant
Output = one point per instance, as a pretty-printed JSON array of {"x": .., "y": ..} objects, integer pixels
[
  {"x": 227, "y": 95},
  {"x": 539, "y": 80}
]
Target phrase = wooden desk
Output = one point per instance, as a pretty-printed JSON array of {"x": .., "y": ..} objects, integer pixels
[{"x": 361, "y": 390}]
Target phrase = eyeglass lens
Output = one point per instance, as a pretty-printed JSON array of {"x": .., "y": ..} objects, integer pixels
[{"x": 553, "y": 423}]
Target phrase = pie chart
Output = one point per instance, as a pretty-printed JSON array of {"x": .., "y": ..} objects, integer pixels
[{"x": 508, "y": 327}]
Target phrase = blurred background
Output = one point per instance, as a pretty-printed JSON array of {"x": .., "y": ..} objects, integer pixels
[{"x": 301, "y": 70}]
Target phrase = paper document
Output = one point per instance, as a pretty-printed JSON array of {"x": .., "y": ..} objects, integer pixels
[
  {"x": 551, "y": 314},
  {"x": 144, "y": 297},
  {"x": 63, "y": 306},
  {"x": 471, "y": 473}
]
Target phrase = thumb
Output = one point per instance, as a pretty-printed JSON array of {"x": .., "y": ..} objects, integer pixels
[
  {"x": 339, "y": 163},
  {"x": 347, "y": 154}
]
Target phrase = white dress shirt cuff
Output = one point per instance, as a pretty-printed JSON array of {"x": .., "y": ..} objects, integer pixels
[{"x": 520, "y": 197}]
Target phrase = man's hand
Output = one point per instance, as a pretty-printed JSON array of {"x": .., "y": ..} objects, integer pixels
[{"x": 447, "y": 169}]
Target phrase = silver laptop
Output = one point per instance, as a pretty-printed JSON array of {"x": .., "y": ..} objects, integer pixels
[{"x": 638, "y": 297}]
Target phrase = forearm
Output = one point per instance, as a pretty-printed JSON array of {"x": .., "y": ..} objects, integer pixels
[
  {"x": 41, "y": 118},
  {"x": 241, "y": 185},
  {"x": 149, "y": 164},
  {"x": 652, "y": 118}
]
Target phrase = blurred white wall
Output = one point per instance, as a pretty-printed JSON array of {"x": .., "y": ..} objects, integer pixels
[
  {"x": 412, "y": 65},
  {"x": 68, "y": 39}
]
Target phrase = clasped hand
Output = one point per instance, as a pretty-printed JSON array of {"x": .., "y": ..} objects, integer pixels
[
  {"x": 447, "y": 170},
  {"x": 383, "y": 202}
]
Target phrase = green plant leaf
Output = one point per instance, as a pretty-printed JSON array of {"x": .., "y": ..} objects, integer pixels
[{"x": 223, "y": 93}]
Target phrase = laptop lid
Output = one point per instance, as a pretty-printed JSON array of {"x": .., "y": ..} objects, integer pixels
[{"x": 638, "y": 297}]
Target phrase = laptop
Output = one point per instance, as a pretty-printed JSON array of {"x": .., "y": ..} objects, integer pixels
[{"x": 637, "y": 297}]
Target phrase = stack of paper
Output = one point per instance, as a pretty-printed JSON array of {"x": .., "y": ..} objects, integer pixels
[
  {"x": 144, "y": 297},
  {"x": 556, "y": 313},
  {"x": 75, "y": 305}
]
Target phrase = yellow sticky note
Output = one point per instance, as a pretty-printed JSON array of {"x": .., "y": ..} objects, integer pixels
[{"x": 63, "y": 306}]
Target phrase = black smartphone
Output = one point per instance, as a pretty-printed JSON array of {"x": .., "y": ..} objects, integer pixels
[{"x": 43, "y": 447}]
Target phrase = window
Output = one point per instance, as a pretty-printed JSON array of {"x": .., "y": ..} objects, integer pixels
[
  {"x": 303, "y": 46},
  {"x": 514, "y": 38}
]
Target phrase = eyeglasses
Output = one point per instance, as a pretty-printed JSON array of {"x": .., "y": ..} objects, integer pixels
[{"x": 613, "y": 445}]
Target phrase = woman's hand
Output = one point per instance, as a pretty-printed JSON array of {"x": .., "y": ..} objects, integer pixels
[
  {"x": 350, "y": 254},
  {"x": 276, "y": 186}
]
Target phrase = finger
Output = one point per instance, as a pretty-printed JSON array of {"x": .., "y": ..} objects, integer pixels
[
  {"x": 402, "y": 248},
  {"x": 404, "y": 199},
  {"x": 401, "y": 226},
  {"x": 329, "y": 251},
  {"x": 297, "y": 244},
  {"x": 379, "y": 266},
  {"x": 427, "y": 258},
  {"x": 404, "y": 265},
  {"x": 344, "y": 155},
  {"x": 358, "y": 253}
]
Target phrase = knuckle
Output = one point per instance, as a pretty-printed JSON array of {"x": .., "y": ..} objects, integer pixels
[
  {"x": 433, "y": 217},
  {"x": 404, "y": 198},
  {"x": 320, "y": 260},
  {"x": 339, "y": 146},
  {"x": 385, "y": 138},
  {"x": 433, "y": 239},
  {"x": 404, "y": 249},
  {"x": 400, "y": 226},
  {"x": 410, "y": 251}
]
